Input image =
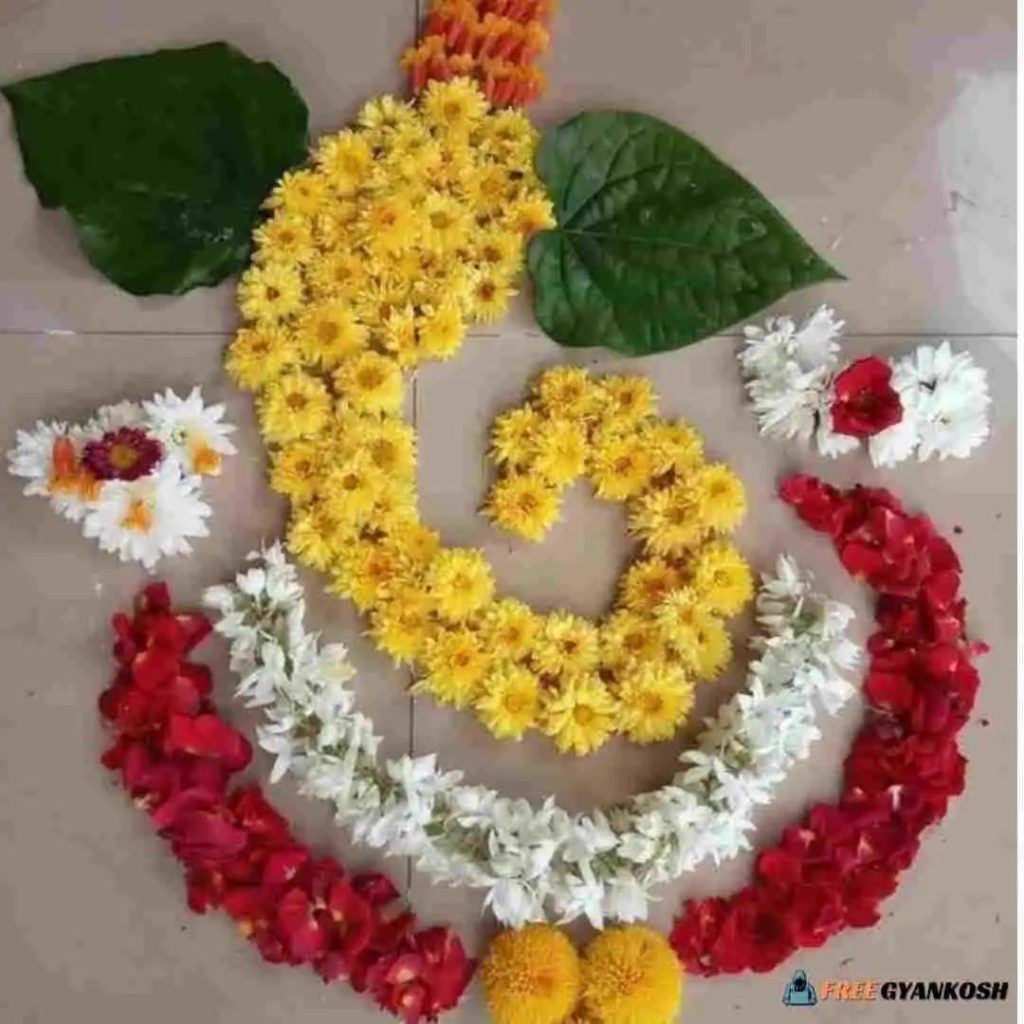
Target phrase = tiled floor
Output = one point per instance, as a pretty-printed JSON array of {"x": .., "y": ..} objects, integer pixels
[{"x": 884, "y": 130}]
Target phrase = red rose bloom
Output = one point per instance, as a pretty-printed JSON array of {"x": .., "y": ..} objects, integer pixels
[
  {"x": 123, "y": 454},
  {"x": 865, "y": 401}
]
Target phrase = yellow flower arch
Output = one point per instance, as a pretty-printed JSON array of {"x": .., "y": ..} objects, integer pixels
[{"x": 403, "y": 231}]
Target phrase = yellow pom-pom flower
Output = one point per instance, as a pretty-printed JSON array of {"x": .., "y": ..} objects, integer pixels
[
  {"x": 531, "y": 976},
  {"x": 630, "y": 975}
]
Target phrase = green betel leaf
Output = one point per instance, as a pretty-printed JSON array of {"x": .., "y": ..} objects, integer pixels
[
  {"x": 658, "y": 243},
  {"x": 162, "y": 160}
]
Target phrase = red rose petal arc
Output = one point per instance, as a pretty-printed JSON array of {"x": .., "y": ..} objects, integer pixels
[
  {"x": 833, "y": 871},
  {"x": 175, "y": 756}
]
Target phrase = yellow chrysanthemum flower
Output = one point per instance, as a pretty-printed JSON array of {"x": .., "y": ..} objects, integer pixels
[
  {"x": 580, "y": 715},
  {"x": 370, "y": 382},
  {"x": 560, "y": 451},
  {"x": 391, "y": 446},
  {"x": 500, "y": 250},
  {"x": 403, "y": 625},
  {"x": 315, "y": 537},
  {"x": 628, "y": 638},
  {"x": 509, "y": 129},
  {"x": 524, "y": 504},
  {"x": 453, "y": 106},
  {"x": 722, "y": 578},
  {"x": 567, "y": 645},
  {"x": 284, "y": 238},
  {"x": 456, "y": 664},
  {"x": 368, "y": 573},
  {"x": 669, "y": 521},
  {"x": 720, "y": 495},
  {"x": 418, "y": 543},
  {"x": 445, "y": 223},
  {"x": 345, "y": 160},
  {"x": 385, "y": 114},
  {"x": 394, "y": 503},
  {"x": 270, "y": 292},
  {"x": 258, "y": 355},
  {"x": 622, "y": 467},
  {"x": 400, "y": 336},
  {"x": 295, "y": 470},
  {"x": 510, "y": 628},
  {"x": 631, "y": 976},
  {"x": 338, "y": 275},
  {"x": 442, "y": 330},
  {"x": 629, "y": 399},
  {"x": 533, "y": 214},
  {"x": 510, "y": 702},
  {"x": 488, "y": 296},
  {"x": 513, "y": 436},
  {"x": 461, "y": 582},
  {"x": 299, "y": 192},
  {"x": 698, "y": 637},
  {"x": 390, "y": 224},
  {"x": 568, "y": 391},
  {"x": 329, "y": 333},
  {"x": 655, "y": 700},
  {"x": 712, "y": 650},
  {"x": 646, "y": 584},
  {"x": 351, "y": 487},
  {"x": 531, "y": 976},
  {"x": 292, "y": 406},
  {"x": 674, "y": 447}
]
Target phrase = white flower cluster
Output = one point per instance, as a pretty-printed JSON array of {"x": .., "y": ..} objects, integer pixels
[
  {"x": 138, "y": 517},
  {"x": 534, "y": 859},
  {"x": 790, "y": 372}
]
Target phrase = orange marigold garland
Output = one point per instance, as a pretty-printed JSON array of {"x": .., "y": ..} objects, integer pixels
[{"x": 493, "y": 41}]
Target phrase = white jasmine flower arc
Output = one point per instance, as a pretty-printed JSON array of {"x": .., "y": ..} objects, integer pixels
[{"x": 533, "y": 861}]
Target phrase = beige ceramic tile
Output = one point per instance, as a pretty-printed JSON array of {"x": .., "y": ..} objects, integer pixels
[{"x": 337, "y": 54}]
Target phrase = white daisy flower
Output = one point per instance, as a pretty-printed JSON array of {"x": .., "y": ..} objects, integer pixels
[
  {"x": 192, "y": 433},
  {"x": 141, "y": 520}
]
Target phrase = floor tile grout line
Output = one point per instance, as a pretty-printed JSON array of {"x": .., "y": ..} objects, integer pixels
[{"x": 172, "y": 333}]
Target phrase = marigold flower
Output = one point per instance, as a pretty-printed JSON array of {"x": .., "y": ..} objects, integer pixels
[
  {"x": 531, "y": 976},
  {"x": 630, "y": 974}
]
